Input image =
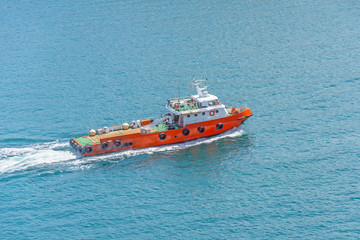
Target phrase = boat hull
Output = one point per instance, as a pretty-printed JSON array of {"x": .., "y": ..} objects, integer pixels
[{"x": 138, "y": 140}]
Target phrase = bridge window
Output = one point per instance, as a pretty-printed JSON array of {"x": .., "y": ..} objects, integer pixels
[{"x": 213, "y": 103}]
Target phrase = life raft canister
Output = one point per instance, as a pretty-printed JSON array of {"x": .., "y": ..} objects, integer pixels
[
  {"x": 186, "y": 132},
  {"x": 104, "y": 145},
  {"x": 201, "y": 129},
  {"x": 117, "y": 143},
  {"x": 212, "y": 113},
  {"x": 219, "y": 126},
  {"x": 162, "y": 136}
]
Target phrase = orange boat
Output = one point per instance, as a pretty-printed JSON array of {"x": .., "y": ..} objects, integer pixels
[{"x": 189, "y": 118}]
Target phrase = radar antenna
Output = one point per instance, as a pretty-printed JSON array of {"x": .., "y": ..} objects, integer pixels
[{"x": 199, "y": 89}]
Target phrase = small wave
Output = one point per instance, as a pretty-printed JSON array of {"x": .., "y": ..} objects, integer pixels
[{"x": 18, "y": 159}]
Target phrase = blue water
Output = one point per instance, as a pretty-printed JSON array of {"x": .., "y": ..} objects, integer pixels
[{"x": 291, "y": 172}]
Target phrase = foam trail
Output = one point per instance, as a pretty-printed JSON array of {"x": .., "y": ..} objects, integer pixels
[{"x": 18, "y": 159}]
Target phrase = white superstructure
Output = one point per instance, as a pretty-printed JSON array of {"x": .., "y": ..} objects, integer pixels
[{"x": 196, "y": 108}]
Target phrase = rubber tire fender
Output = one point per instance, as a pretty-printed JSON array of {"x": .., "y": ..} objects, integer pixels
[
  {"x": 117, "y": 143},
  {"x": 72, "y": 142},
  {"x": 88, "y": 149},
  {"x": 162, "y": 136},
  {"x": 186, "y": 132},
  {"x": 201, "y": 129},
  {"x": 81, "y": 150},
  {"x": 104, "y": 145}
]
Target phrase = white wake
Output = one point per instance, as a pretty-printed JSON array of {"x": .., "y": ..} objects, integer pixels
[{"x": 17, "y": 159}]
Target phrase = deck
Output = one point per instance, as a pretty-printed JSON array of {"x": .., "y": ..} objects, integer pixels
[{"x": 90, "y": 140}]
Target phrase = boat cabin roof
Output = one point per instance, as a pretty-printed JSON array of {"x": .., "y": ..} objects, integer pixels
[
  {"x": 193, "y": 98},
  {"x": 205, "y": 98}
]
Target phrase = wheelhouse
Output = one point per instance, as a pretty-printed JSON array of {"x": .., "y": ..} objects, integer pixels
[{"x": 196, "y": 108}]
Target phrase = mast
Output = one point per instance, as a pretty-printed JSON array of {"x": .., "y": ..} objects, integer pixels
[{"x": 199, "y": 89}]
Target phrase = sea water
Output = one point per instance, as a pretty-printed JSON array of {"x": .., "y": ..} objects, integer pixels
[{"x": 291, "y": 172}]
